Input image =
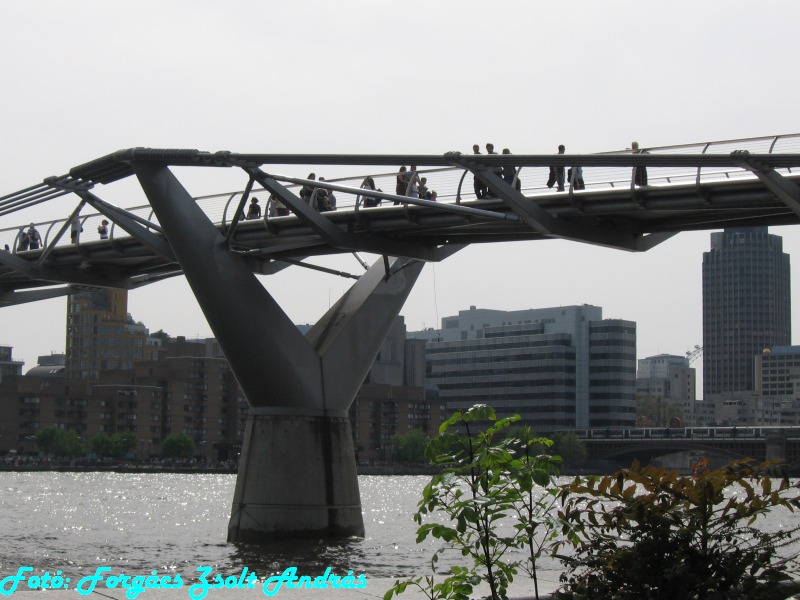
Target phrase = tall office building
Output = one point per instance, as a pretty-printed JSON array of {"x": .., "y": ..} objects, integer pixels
[
  {"x": 746, "y": 305},
  {"x": 559, "y": 368},
  {"x": 102, "y": 335}
]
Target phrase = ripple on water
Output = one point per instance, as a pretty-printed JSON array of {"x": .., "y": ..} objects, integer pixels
[{"x": 175, "y": 522}]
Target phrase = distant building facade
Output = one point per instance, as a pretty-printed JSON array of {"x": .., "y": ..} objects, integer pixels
[
  {"x": 393, "y": 399},
  {"x": 668, "y": 383},
  {"x": 49, "y": 365},
  {"x": 778, "y": 387},
  {"x": 746, "y": 306},
  {"x": 101, "y": 335},
  {"x": 775, "y": 399},
  {"x": 559, "y": 368},
  {"x": 186, "y": 390},
  {"x": 9, "y": 366},
  {"x": 186, "y": 386}
]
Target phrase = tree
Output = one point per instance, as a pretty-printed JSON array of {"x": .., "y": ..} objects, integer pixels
[
  {"x": 102, "y": 445},
  {"x": 570, "y": 448},
  {"x": 59, "y": 442},
  {"x": 486, "y": 476},
  {"x": 410, "y": 447},
  {"x": 46, "y": 440},
  {"x": 652, "y": 412},
  {"x": 69, "y": 444},
  {"x": 116, "y": 446},
  {"x": 123, "y": 443},
  {"x": 529, "y": 477},
  {"x": 161, "y": 335},
  {"x": 178, "y": 445},
  {"x": 646, "y": 532}
]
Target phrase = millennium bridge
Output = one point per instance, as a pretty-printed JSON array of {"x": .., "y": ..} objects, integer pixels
[{"x": 297, "y": 473}]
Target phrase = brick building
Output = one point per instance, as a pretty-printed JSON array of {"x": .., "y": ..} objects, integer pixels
[{"x": 129, "y": 382}]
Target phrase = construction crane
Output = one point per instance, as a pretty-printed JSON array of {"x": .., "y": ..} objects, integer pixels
[{"x": 693, "y": 355}]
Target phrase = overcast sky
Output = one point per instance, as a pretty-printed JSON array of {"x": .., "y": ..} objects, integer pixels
[{"x": 84, "y": 78}]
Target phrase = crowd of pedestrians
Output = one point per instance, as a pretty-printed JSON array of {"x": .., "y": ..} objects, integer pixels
[
  {"x": 30, "y": 239},
  {"x": 409, "y": 184}
]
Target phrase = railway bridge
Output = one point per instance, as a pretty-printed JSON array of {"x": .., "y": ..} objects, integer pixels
[{"x": 721, "y": 444}]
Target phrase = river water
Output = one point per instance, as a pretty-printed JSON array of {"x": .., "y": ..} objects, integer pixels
[
  {"x": 175, "y": 522},
  {"x": 166, "y": 521}
]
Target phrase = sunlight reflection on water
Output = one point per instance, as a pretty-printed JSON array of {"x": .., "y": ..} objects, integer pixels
[
  {"x": 165, "y": 521},
  {"x": 140, "y": 522}
]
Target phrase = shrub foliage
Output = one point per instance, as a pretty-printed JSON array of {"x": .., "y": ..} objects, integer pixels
[
  {"x": 646, "y": 532},
  {"x": 642, "y": 533}
]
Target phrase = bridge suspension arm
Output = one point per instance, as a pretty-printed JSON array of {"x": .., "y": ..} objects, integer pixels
[
  {"x": 333, "y": 234},
  {"x": 546, "y": 224},
  {"x": 323, "y": 227},
  {"x": 133, "y": 224},
  {"x": 240, "y": 208},
  {"x": 786, "y": 191},
  {"x": 454, "y": 208},
  {"x": 67, "y": 224}
]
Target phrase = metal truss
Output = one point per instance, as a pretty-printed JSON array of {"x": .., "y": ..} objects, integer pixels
[{"x": 624, "y": 216}]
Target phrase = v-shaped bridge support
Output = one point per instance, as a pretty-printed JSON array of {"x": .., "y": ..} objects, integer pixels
[{"x": 297, "y": 473}]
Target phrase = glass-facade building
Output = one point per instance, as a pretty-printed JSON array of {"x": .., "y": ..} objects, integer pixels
[
  {"x": 559, "y": 368},
  {"x": 746, "y": 305}
]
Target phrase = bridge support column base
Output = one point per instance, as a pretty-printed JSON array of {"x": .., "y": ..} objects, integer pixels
[{"x": 297, "y": 478}]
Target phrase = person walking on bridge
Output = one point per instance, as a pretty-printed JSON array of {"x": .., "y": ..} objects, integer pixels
[
  {"x": 639, "y": 173},
  {"x": 75, "y": 229},
  {"x": 413, "y": 182},
  {"x": 557, "y": 173},
  {"x": 497, "y": 170},
  {"x": 370, "y": 201},
  {"x": 102, "y": 229},
  {"x": 402, "y": 183},
  {"x": 480, "y": 187},
  {"x": 254, "y": 212},
  {"x": 34, "y": 239},
  {"x": 23, "y": 241},
  {"x": 510, "y": 173}
]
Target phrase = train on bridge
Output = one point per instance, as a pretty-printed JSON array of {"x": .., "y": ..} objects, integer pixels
[{"x": 658, "y": 433}]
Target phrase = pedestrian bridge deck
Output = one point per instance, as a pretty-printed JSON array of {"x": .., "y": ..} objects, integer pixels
[{"x": 700, "y": 186}]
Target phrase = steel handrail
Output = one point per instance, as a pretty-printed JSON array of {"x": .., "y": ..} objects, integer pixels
[{"x": 37, "y": 194}]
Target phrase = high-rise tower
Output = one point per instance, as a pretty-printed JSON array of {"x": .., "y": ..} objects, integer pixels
[
  {"x": 746, "y": 305},
  {"x": 101, "y": 334}
]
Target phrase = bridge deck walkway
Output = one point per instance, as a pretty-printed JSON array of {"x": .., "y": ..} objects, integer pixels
[{"x": 689, "y": 187}]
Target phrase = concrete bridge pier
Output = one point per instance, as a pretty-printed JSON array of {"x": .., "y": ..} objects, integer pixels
[
  {"x": 775, "y": 442},
  {"x": 297, "y": 474},
  {"x": 297, "y": 477}
]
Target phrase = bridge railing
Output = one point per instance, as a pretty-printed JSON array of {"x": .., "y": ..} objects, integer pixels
[{"x": 453, "y": 185}]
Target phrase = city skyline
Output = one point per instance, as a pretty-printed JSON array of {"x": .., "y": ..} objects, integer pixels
[
  {"x": 309, "y": 86},
  {"x": 646, "y": 321}
]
